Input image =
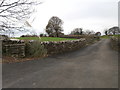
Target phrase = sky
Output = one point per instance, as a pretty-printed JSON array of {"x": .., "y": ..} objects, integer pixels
[{"x": 96, "y": 15}]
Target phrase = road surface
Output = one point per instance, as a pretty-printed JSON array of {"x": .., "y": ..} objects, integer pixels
[{"x": 95, "y": 66}]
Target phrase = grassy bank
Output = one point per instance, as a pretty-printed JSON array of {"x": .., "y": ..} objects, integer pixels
[
  {"x": 105, "y": 37},
  {"x": 45, "y": 38},
  {"x": 116, "y": 36}
]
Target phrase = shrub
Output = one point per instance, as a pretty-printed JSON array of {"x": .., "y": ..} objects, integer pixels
[
  {"x": 41, "y": 35},
  {"x": 35, "y": 49},
  {"x": 29, "y": 36}
]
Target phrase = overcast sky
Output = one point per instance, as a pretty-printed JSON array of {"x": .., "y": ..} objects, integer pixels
[{"x": 94, "y": 15}]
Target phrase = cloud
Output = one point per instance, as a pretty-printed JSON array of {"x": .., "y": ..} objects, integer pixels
[{"x": 89, "y": 14}]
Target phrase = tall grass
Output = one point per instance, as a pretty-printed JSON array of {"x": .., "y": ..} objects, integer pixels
[{"x": 35, "y": 49}]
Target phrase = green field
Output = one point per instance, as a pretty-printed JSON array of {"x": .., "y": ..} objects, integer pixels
[{"x": 45, "y": 38}]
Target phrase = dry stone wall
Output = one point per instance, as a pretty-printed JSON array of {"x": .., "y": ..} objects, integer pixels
[
  {"x": 17, "y": 48},
  {"x": 115, "y": 43},
  {"x": 13, "y": 48},
  {"x": 63, "y": 46}
]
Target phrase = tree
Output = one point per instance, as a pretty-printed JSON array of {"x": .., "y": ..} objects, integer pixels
[
  {"x": 114, "y": 30},
  {"x": 14, "y": 12},
  {"x": 106, "y": 32},
  {"x": 98, "y": 33},
  {"x": 54, "y": 27},
  {"x": 89, "y": 32},
  {"x": 77, "y": 31}
]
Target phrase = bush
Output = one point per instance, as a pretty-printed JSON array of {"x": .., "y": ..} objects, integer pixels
[
  {"x": 35, "y": 49},
  {"x": 29, "y": 36},
  {"x": 41, "y": 35}
]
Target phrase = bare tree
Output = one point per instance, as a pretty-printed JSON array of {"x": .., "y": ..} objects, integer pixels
[
  {"x": 54, "y": 26},
  {"x": 14, "y": 12}
]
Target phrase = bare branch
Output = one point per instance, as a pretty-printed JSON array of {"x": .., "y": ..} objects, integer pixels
[
  {"x": 11, "y": 3},
  {"x": 13, "y": 12},
  {"x": 2, "y": 3}
]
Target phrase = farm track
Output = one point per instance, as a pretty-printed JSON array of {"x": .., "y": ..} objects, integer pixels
[{"x": 95, "y": 66}]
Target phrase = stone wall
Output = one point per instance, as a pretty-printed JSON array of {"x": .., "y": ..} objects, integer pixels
[
  {"x": 115, "y": 43},
  {"x": 63, "y": 46},
  {"x": 0, "y": 49},
  {"x": 17, "y": 48},
  {"x": 13, "y": 48}
]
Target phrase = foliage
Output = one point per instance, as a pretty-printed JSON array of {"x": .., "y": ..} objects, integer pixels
[
  {"x": 98, "y": 33},
  {"x": 77, "y": 31},
  {"x": 113, "y": 31},
  {"x": 29, "y": 36},
  {"x": 54, "y": 27},
  {"x": 89, "y": 32},
  {"x": 106, "y": 31},
  {"x": 35, "y": 49},
  {"x": 43, "y": 35}
]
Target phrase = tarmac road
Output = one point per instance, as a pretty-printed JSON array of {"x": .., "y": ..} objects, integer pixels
[{"x": 95, "y": 66}]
